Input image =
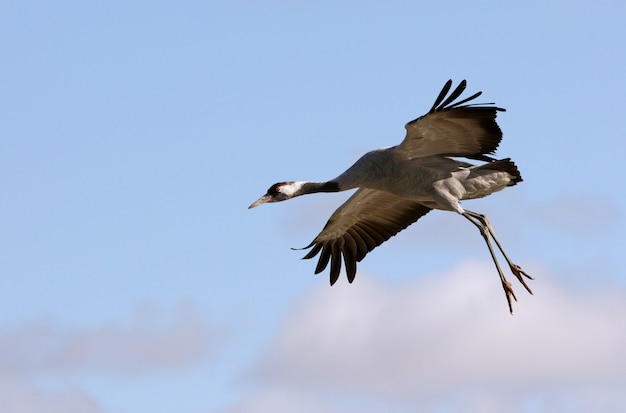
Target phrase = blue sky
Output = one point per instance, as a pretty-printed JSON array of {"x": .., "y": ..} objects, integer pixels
[{"x": 133, "y": 136}]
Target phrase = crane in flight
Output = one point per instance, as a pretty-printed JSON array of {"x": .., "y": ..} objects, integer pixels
[{"x": 400, "y": 184}]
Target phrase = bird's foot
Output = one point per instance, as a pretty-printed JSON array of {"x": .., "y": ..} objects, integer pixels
[
  {"x": 520, "y": 274},
  {"x": 508, "y": 291}
]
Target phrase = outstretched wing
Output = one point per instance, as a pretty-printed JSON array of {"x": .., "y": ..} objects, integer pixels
[
  {"x": 453, "y": 129},
  {"x": 366, "y": 220}
]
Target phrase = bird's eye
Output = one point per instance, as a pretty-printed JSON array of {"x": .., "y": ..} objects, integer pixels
[
  {"x": 279, "y": 187},
  {"x": 275, "y": 189}
]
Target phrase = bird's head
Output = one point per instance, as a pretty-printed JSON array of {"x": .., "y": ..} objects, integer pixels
[{"x": 280, "y": 191}]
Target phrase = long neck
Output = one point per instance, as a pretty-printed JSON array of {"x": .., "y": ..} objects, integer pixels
[{"x": 314, "y": 187}]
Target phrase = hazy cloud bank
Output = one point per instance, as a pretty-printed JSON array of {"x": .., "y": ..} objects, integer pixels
[
  {"x": 145, "y": 344},
  {"x": 152, "y": 342},
  {"x": 449, "y": 337}
]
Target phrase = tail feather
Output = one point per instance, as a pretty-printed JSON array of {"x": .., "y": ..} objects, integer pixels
[{"x": 504, "y": 165}]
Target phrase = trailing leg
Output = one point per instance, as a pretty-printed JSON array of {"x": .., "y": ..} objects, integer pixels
[
  {"x": 515, "y": 269},
  {"x": 486, "y": 231}
]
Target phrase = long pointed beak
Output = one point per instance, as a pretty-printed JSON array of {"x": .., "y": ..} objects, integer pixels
[{"x": 259, "y": 201}]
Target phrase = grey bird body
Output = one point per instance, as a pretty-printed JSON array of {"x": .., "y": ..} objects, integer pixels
[
  {"x": 436, "y": 181},
  {"x": 400, "y": 184}
]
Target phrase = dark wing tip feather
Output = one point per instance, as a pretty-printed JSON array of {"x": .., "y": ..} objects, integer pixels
[
  {"x": 311, "y": 253},
  {"x": 358, "y": 241},
  {"x": 335, "y": 262},
  {"x": 350, "y": 263},
  {"x": 441, "y": 105},
  {"x": 442, "y": 95},
  {"x": 324, "y": 258},
  {"x": 349, "y": 256},
  {"x": 460, "y": 102},
  {"x": 455, "y": 94}
]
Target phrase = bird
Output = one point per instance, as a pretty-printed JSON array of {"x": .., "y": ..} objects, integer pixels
[{"x": 430, "y": 169}]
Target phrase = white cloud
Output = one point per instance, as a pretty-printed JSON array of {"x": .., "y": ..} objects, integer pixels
[
  {"x": 276, "y": 400},
  {"x": 40, "y": 361},
  {"x": 447, "y": 343},
  {"x": 18, "y": 395},
  {"x": 144, "y": 345}
]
